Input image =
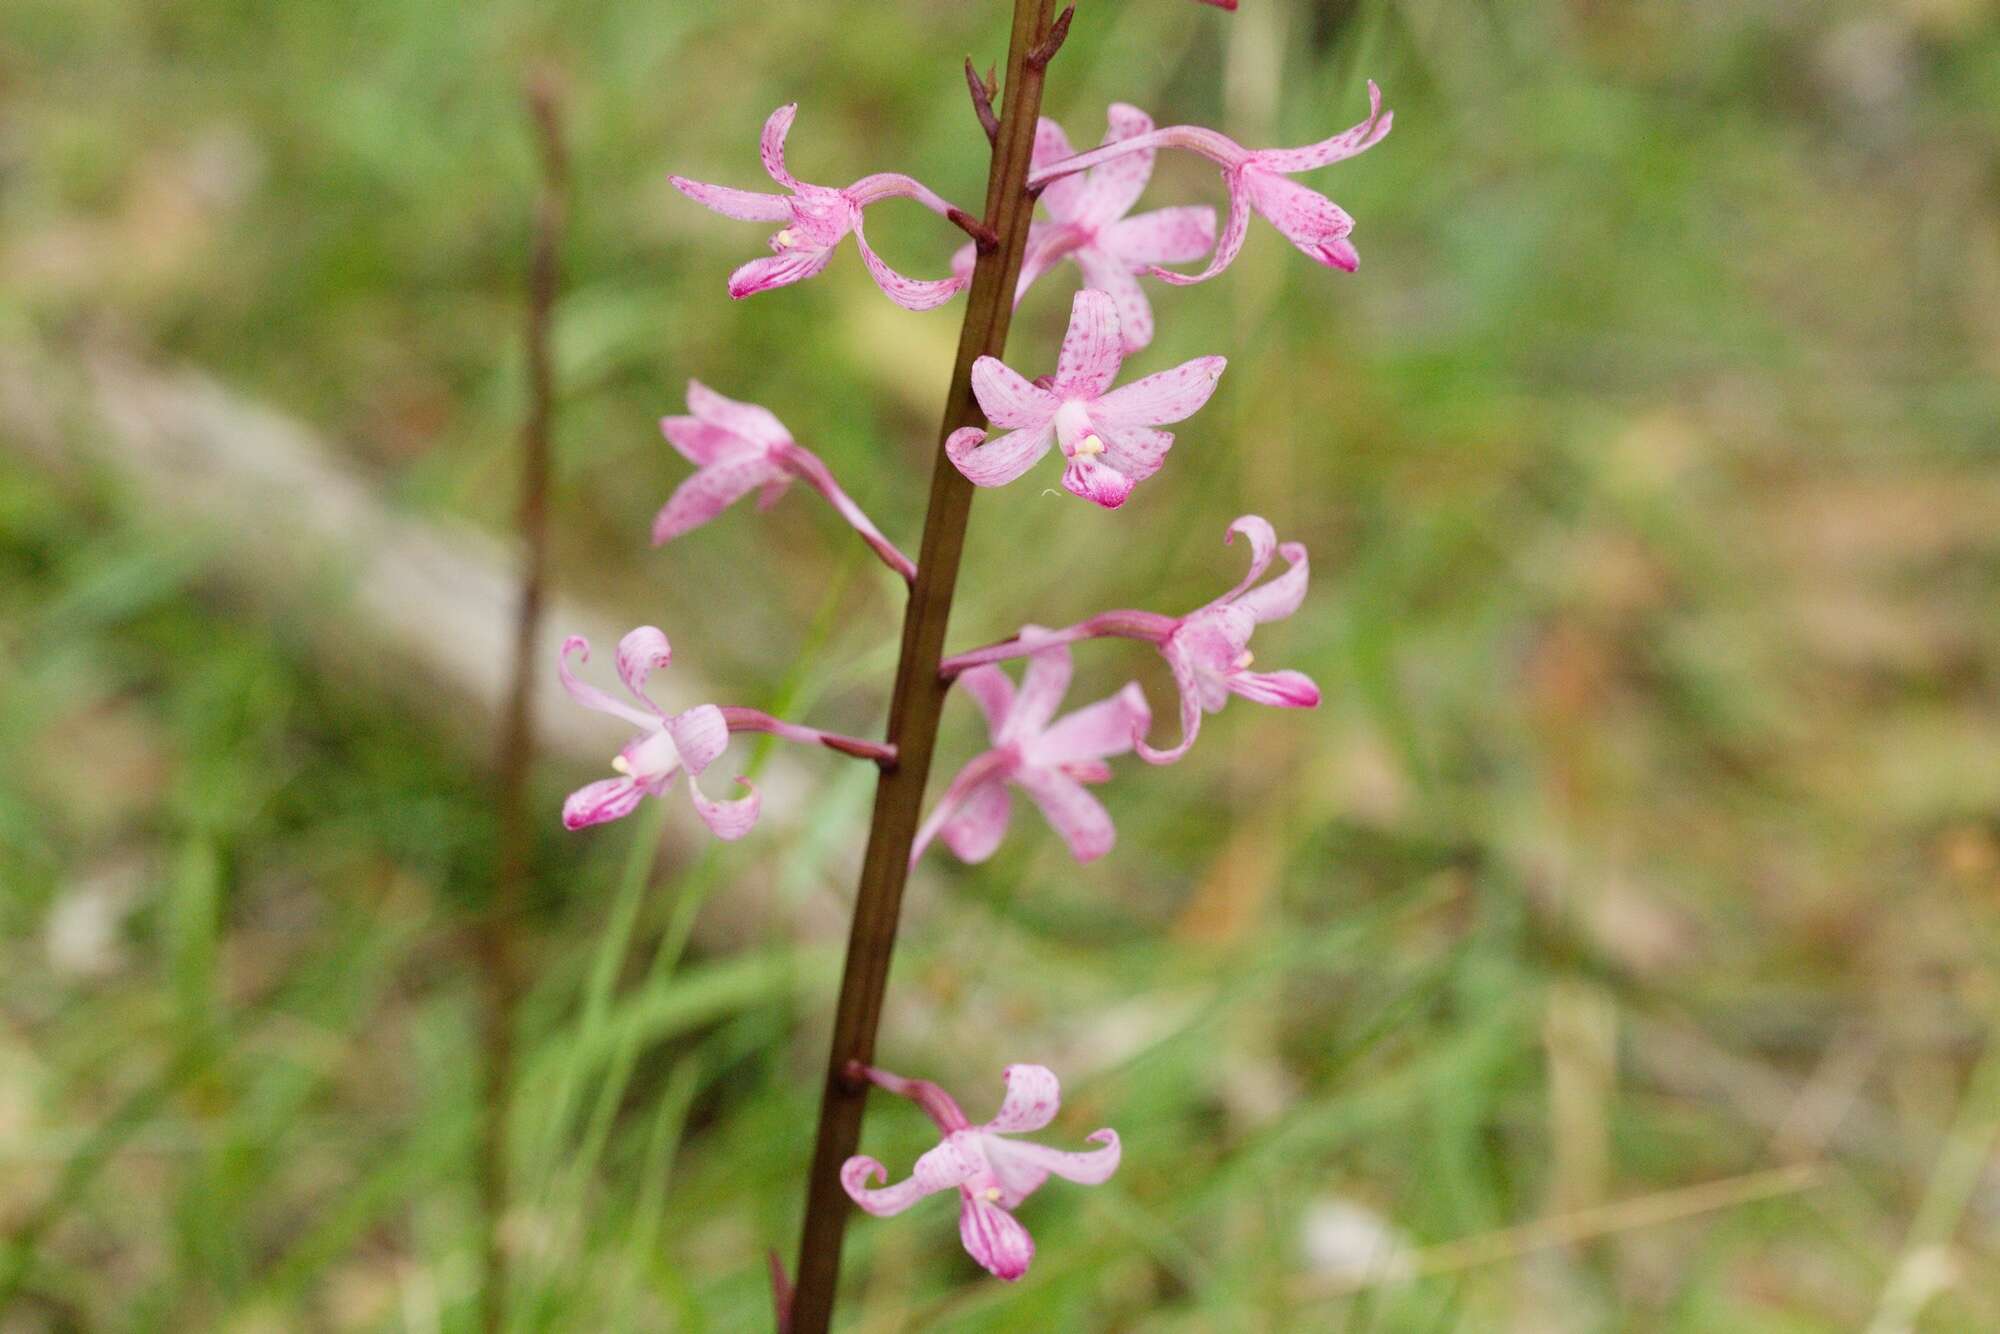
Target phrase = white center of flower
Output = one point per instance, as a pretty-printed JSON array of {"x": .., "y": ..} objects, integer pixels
[
  {"x": 991, "y": 1192},
  {"x": 788, "y": 238},
  {"x": 621, "y": 765},
  {"x": 1088, "y": 446},
  {"x": 1243, "y": 660}
]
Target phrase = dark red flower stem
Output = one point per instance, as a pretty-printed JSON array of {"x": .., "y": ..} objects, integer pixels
[
  {"x": 495, "y": 942},
  {"x": 919, "y": 692},
  {"x": 756, "y": 720}
]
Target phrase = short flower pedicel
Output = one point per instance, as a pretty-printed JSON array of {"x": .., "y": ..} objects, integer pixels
[
  {"x": 1109, "y": 439},
  {"x": 1256, "y": 180},
  {"x": 993, "y": 1174},
  {"x": 1050, "y": 762},
  {"x": 817, "y": 217}
]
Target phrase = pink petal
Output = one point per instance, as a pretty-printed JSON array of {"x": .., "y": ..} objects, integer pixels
[
  {"x": 1096, "y": 482},
  {"x": 702, "y": 442},
  {"x": 761, "y": 275},
  {"x": 640, "y": 653},
  {"x": 606, "y": 799},
  {"x": 1190, "y": 692},
  {"x": 993, "y": 1237},
  {"x": 1306, "y": 218},
  {"x": 755, "y": 425},
  {"x": 772, "y": 144},
  {"x": 1091, "y": 351},
  {"x": 1089, "y": 1169},
  {"x": 998, "y": 462},
  {"x": 1164, "y": 236},
  {"x": 1263, "y": 541},
  {"x": 727, "y": 820},
  {"x": 1111, "y": 189},
  {"x": 1052, "y": 145},
  {"x": 1136, "y": 451},
  {"x": 1007, "y": 399},
  {"x": 590, "y": 696},
  {"x": 1282, "y": 690},
  {"x": 1042, "y": 687},
  {"x": 993, "y": 691},
  {"x": 1282, "y": 596},
  {"x": 940, "y": 1169},
  {"x": 1168, "y": 396},
  {"x": 909, "y": 293},
  {"x": 744, "y": 205},
  {"x": 1094, "y": 731},
  {"x": 1233, "y": 232},
  {"x": 974, "y": 830},
  {"x": 708, "y": 492},
  {"x": 1114, "y": 277},
  {"x": 1047, "y": 245},
  {"x": 772, "y": 492},
  {"x": 700, "y": 735},
  {"x": 1076, "y": 816},
  {"x": 1343, "y": 145},
  {"x": 1033, "y": 1098}
]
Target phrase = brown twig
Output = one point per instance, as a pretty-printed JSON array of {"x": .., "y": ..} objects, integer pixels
[
  {"x": 515, "y": 750},
  {"x": 1045, "y": 50},
  {"x": 919, "y": 693},
  {"x": 984, "y": 237},
  {"x": 983, "y": 91}
]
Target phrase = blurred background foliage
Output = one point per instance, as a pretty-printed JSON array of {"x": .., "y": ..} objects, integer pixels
[{"x": 1648, "y": 836}]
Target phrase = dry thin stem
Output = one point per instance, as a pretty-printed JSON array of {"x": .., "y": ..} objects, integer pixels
[
  {"x": 918, "y": 696},
  {"x": 515, "y": 751}
]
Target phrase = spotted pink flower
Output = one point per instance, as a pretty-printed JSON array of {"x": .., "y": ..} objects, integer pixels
[
  {"x": 1087, "y": 223},
  {"x": 1050, "y": 762},
  {"x": 1256, "y": 179},
  {"x": 738, "y": 448},
  {"x": 1108, "y": 439},
  {"x": 993, "y": 1173},
  {"x": 1208, "y": 649},
  {"x": 666, "y": 743},
  {"x": 816, "y": 218}
]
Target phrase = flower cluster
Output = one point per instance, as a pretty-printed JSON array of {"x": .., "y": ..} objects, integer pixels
[{"x": 1111, "y": 439}]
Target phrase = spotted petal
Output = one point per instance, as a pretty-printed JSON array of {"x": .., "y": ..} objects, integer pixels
[
  {"x": 642, "y": 652},
  {"x": 1078, "y": 818},
  {"x": 1091, "y": 350},
  {"x": 757, "y": 425},
  {"x": 1281, "y": 597},
  {"x": 1094, "y": 731},
  {"x": 606, "y": 799},
  {"x": 1282, "y": 690},
  {"x": 1233, "y": 232},
  {"x": 1343, "y": 145},
  {"x": 1110, "y": 189},
  {"x": 1017, "y": 1159},
  {"x": 993, "y": 691},
  {"x": 974, "y": 830},
  {"x": 994, "y": 1238},
  {"x": 709, "y": 491},
  {"x": 1007, "y": 398},
  {"x": 1114, "y": 277},
  {"x": 771, "y": 144},
  {"x": 1305, "y": 217},
  {"x": 589, "y": 695},
  {"x": 997, "y": 462},
  {"x": 1033, "y": 1097},
  {"x": 743, "y": 205},
  {"x": 909, "y": 293},
  {"x": 1189, "y": 686},
  {"x": 1168, "y": 396},
  {"x": 1043, "y": 685}
]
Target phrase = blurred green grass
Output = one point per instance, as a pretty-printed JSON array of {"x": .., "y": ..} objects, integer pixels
[{"x": 1649, "y": 833}]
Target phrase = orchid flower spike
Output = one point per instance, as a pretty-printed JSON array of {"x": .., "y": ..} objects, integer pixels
[
  {"x": 1208, "y": 649},
  {"x": 737, "y": 448},
  {"x": 1108, "y": 439},
  {"x": 993, "y": 1174},
  {"x": 816, "y": 218},
  {"x": 1087, "y": 223},
  {"x": 666, "y": 743},
  {"x": 1051, "y": 763},
  {"x": 1256, "y": 180}
]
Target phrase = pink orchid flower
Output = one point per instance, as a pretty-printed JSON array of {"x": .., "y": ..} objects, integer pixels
[
  {"x": 1208, "y": 650},
  {"x": 816, "y": 218},
  {"x": 1256, "y": 180},
  {"x": 737, "y": 448},
  {"x": 1051, "y": 763},
  {"x": 993, "y": 1174},
  {"x": 666, "y": 743},
  {"x": 1109, "y": 439},
  {"x": 1087, "y": 223}
]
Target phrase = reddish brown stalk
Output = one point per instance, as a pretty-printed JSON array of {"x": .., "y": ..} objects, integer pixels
[
  {"x": 515, "y": 750},
  {"x": 919, "y": 692}
]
